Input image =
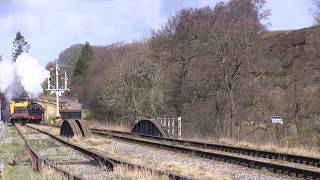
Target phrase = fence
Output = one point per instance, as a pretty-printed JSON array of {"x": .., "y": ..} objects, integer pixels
[
  {"x": 2, "y": 131},
  {"x": 2, "y": 134}
]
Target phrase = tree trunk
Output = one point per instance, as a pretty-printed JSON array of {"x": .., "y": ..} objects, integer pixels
[
  {"x": 297, "y": 122},
  {"x": 180, "y": 84},
  {"x": 232, "y": 109},
  {"x": 216, "y": 121},
  {"x": 296, "y": 112}
]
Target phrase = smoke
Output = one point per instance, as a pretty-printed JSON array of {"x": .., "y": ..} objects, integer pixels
[{"x": 25, "y": 75}]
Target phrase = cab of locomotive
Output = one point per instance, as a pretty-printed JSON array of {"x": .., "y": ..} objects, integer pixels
[
  {"x": 35, "y": 112},
  {"x": 19, "y": 110}
]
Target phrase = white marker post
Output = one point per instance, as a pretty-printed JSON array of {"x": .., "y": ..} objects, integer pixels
[
  {"x": 179, "y": 128},
  {"x": 56, "y": 89}
]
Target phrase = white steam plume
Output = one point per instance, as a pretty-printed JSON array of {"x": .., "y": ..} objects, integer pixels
[
  {"x": 26, "y": 74},
  {"x": 31, "y": 74}
]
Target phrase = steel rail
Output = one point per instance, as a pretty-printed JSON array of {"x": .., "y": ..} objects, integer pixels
[
  {"x": 276, "y": 168},
  {"x": 311, "y": 161},
  {"x": 247, "y": 162},
  {"x": 38, "y": 161},
  {"x": 110, "y": 161}
]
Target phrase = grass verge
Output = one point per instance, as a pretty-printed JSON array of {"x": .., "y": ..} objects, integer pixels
[{"x": 17, "y": 164}]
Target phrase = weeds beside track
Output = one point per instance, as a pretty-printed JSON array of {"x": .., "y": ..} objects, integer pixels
[
  {"x": 204, "y": 150},
  {"x": 111, "y": 162}
]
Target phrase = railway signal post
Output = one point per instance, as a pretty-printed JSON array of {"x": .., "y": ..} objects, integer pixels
[{"x": 57, "y": 89}]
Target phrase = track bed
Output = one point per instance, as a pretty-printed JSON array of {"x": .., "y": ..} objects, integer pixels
[{"x": 64, "y": 157}]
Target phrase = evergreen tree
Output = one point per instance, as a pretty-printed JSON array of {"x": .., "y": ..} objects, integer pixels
[
  {"x": 19, "y": 45},
  {"x": 82, "y": 64}
]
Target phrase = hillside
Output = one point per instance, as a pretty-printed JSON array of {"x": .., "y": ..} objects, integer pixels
[
  {"x": 285, "y": 77},
  {"x": 217, "y": 68},
  {"x": 288, "y": 67}
]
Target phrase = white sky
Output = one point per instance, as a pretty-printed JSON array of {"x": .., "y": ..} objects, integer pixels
[{"x": 50, "y": 26}]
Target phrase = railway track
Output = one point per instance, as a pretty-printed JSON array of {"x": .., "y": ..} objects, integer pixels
[
  {"x": 310, "y": 161},
  {"x": 39, "y": 162},
  {"x": 88, "y": 158},
  {"x": 280, "y": 163}
]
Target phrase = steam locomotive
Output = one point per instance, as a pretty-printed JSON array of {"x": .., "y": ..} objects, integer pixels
[{"x": 23, "y": 110}]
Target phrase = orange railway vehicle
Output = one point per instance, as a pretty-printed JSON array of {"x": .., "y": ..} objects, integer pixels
[
  {"x": 19, "y": 110},
  {"x": 25, "y": 111}
]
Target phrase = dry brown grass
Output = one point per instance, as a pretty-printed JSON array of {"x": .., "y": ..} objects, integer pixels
[
  {"x": 197, "y": 172},
  {"x": 123, "y": 172},
  {"x": 109, "y": 126},
  {"x": 22, "y": 129},
  {"x": 304, "y": 151},
  {"x": 50, "y": 173},
  {"x": 180, "y": 168},
  {"x": 51, "y": 130},
  {"x": 92, "y": 141},
  {"x": 276, "y": 148},
  {"x": 15, "y": 150}
]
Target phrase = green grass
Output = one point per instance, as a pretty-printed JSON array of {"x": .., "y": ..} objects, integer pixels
[
  {"x": 96, "y": 143},
  {"x": 42, "y": 143},
  {"x": 10, "y": 131},
  {"x": 14, "y": 150},
  {"x": 264, "y": 170}
]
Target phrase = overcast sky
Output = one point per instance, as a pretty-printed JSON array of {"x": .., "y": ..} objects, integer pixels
[{"x": 50, "y": 26}]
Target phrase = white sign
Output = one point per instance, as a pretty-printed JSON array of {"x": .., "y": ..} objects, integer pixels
[{"x": 276, "y": 120}]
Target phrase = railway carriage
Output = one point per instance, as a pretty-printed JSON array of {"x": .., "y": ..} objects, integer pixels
[
  {"x": 22, "y": 110},
  {"x": 35, "y": 112}
]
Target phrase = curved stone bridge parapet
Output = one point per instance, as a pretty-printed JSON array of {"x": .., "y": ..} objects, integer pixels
[{"x": 149, "y": 127}]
